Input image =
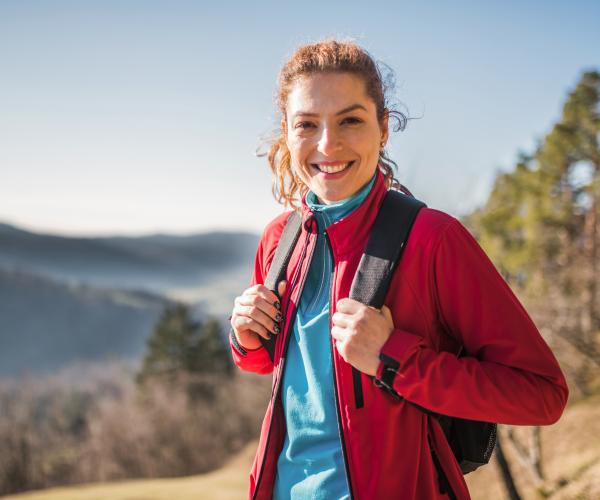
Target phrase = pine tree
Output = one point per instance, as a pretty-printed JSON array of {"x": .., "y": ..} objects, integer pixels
[
  {"x": 180, "y": 345},
  {"x": 540, "y": 224}
]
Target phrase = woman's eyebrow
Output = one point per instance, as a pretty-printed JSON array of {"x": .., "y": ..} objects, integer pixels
[
  {"x": 351, "y": 108},
  {"x": 341, "y": 112}
]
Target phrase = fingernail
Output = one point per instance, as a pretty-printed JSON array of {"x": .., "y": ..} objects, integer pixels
[
  {"x": 277, "y": 305},
  {"x": 278, "y": 317},
  {"x": 276, "y": 327}
]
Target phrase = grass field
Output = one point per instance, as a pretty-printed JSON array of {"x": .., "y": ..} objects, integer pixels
[
  {"x": 228, "y": 483},
  {"x": 570, "y": 450}
]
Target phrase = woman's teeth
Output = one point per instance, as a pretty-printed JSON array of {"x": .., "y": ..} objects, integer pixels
[{"x": 332, "y": 169}]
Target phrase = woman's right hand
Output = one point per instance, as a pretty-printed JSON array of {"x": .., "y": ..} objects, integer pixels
[{"x": 257, "y": 312}]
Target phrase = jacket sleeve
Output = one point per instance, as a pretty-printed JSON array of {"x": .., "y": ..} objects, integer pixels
[
  {"x": 253, "y": 360},
  {"x": 508, "y": 375}
]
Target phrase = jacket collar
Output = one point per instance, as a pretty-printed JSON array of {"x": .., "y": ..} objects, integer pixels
[{"x": 351, "y": 232}]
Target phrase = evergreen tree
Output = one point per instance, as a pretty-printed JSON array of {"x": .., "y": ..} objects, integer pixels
[
  {"x": 540, "y": 224},
  {"x": 180, "y": 345}
]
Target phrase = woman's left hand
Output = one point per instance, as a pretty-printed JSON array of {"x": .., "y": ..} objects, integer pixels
[{"x": 360, "y": 332}]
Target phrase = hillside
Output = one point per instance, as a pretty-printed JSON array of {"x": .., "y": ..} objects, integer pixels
[
  {"x": 47, "y": 324},
  {"x": 570, "y": 459},
  {"x": 570, "y": 448},
  {"x": 157, "y": 262},
  {"x": 68, "y": 299}
]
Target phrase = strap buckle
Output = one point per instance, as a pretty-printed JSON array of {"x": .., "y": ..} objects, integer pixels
[{"x": 387, "y": 380}]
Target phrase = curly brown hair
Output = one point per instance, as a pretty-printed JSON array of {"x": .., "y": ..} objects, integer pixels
[{"x": 330, "y": 56}]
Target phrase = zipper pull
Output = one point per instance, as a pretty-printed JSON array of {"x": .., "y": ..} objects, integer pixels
[{"x": 309, "y": 222}]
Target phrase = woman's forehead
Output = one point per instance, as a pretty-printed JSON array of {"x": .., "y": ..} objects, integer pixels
[{"x": 329, "y": 92}]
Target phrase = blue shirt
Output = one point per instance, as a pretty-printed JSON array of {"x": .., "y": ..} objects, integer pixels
[{"x": 311, "y": 463}]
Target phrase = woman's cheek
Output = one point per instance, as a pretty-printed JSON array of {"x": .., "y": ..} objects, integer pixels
[
  {"x": 302, "y": 150},
  {"x": 297, "y": 145}
]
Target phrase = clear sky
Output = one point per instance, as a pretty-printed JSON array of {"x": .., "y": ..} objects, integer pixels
[{"x": 131, "y": 117}]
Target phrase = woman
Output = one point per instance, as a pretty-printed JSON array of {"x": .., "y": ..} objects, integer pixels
[{"x": 317, "y": 441}]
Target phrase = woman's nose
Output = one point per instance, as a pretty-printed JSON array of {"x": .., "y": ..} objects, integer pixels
[{"x": 329, "y": 141}]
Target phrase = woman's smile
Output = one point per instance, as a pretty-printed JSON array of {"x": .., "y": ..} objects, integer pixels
[{"x": 331, "y": 169}]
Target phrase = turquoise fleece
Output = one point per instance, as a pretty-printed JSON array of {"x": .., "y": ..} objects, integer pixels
[{"x": 311, "y": 463}]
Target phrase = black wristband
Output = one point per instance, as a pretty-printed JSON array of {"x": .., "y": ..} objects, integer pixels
[{"x": 236, "y": 343}]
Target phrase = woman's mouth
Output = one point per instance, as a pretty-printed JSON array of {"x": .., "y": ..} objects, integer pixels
[{"x": 332, "y": 168}]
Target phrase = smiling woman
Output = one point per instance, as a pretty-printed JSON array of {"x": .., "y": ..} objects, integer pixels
[
  {"x": 331, "y": 98},
  {"x": 329, "y": 432},
  {"x": 333, "y": 134}
]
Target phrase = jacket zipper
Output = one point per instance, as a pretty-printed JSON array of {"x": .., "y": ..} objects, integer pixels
[
  {"x": 337, "y": 409},
  {"x": 358, "y": 392},
  {"x": 443, "y": 483},
  {"x": 275, "y": 393}
]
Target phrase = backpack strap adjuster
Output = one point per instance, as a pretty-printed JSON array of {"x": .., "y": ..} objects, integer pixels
[{"x": 388, "y": 374}]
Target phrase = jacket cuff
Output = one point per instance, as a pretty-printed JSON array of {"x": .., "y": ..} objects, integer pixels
[
  {"x": 399, "y": 345},
  {"x": 392, "y": 355}
]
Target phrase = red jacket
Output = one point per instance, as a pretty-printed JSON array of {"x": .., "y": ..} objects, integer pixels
[{"x": 445, "y": 293}]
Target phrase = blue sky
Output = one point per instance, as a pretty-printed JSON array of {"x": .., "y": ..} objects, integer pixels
[{"x": 131, "y": 117}]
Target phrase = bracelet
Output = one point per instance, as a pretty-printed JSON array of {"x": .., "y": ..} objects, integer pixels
[{"x": 236, "y": 343}]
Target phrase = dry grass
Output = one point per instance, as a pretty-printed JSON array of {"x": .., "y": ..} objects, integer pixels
[
  {"x": 571, "y": 460},
  {"x": 228, "y": 483},
  {"x": 56, "y": 435},
  {"x": 571, "y": 453}
]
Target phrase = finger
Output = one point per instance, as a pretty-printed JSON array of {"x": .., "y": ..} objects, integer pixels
[
  {"x": 342, "y": 319},
  {"x": 341, "y": 349},
  {"x": 262, "y": 304},
  {"x": 247, "y": 323},
  {"x": 348, "y": 305},
  {"x": 265, "y": 293},
  {"x": 281, "y": 287},
  {"x": 339, "y": 334},
  {"x": 255, "y": 313}
]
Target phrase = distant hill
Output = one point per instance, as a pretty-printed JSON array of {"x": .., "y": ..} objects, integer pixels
[
  {"x": 64, "y": 299},
  {"x": 157, "y": 262},
  {"x": 45, "y": 324}
]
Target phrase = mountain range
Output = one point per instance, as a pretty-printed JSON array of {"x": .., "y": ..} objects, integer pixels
[{"x": 66, "y": 299}]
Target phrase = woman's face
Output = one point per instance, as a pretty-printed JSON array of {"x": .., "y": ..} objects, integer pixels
[{"x": 333, "y": 134}]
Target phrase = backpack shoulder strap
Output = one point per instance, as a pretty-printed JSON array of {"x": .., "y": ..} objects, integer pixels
[
  {"x": 389, "y": 234},
  {"x": 285, "y": 247},
  {"x": 277, "y": 271}
]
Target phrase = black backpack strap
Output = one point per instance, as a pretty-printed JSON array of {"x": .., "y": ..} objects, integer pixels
[
  {"x": 392, "y": 226},
  {"x": 472, "y": 442},
  {"x": 277, "y": 271},
  {"x": 389, "y": 234}
]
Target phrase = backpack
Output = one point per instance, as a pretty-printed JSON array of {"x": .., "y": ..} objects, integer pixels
[{"x": 471, "y": 441}]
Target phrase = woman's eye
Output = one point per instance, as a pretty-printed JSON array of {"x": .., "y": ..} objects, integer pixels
[
  {"x": 351, "y": 120},
  {"x": 304, "y": 125}
]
